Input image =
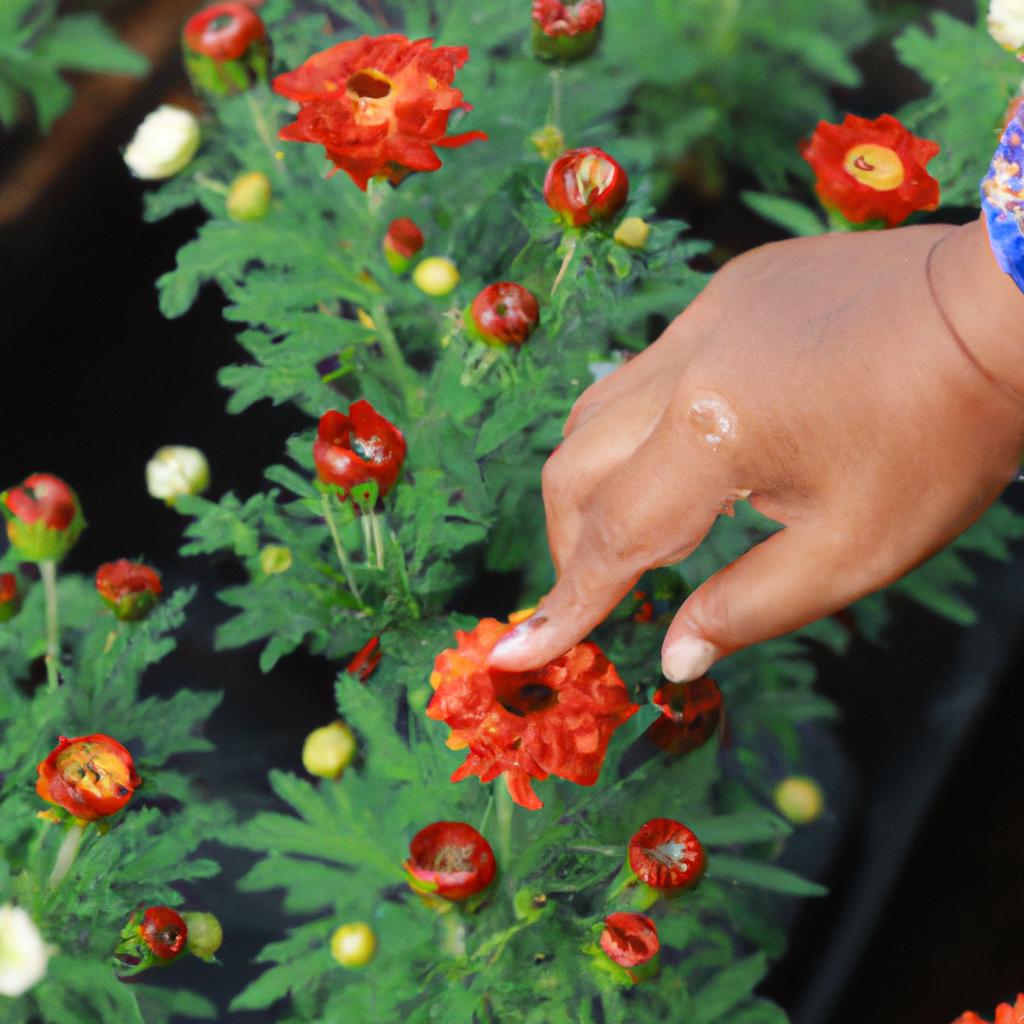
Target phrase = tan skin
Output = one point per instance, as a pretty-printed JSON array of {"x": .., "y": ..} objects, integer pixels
[{"x": 874, "y": 414}]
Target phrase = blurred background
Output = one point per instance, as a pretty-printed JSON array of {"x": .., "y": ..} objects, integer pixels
[{"x": 921, "y": 842}]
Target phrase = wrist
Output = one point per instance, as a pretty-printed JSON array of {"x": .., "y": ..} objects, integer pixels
[{"x": 983, "y": 307}]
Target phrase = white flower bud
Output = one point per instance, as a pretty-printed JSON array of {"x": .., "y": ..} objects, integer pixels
[
  {"x": 176, "y": 470},
  {"x": 23, "y": 953},
  {"x": 1006, "y": 23},
  {"x": 163, "y": 144}
]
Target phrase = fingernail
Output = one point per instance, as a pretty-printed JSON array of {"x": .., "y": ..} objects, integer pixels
[
  {"x": 688, "y": 658},
  {"x": 519, "y": 639}
]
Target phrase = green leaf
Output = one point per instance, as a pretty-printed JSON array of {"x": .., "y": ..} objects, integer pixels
[
  {"x": 788, "y": 214},
  {"x": 725, "y": 868}
]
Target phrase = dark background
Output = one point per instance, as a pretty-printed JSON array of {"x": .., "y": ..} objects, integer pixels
[{"x": 921, "y": 843}]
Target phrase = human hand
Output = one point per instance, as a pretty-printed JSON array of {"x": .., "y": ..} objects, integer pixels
[{"x": 865, "y": 390}]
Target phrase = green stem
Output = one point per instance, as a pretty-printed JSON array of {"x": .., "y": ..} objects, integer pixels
[
  {"x": 503, "y": 814},
  {"x": 378, "y": 539},
  {"x": 48, "y": 570},
  {"x": 346, "y": 568},
  {"x": 569, "y": 253},
  {"x": 487, "y": 812},
  {"x": 264, "y": 131},
  {"x": 556, "y": 98},
  {"x": 404, "y": 376},
  {"x": 66, "y": 854}
]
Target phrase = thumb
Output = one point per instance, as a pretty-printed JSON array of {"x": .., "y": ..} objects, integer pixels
[{"x": 796, "y": 576}]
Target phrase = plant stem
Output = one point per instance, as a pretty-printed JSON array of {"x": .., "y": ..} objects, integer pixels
[
  {"x": 346, "y": 568},
  {"x": 556, "y": 98},
  {"x": 393, "y": 353},
  {"x": 48, "y": 571},
  {"x": 569, "y": 253},
  {"x": 66, "y": 854},
  {"x": 503, "y": 813},
  {"x": 378, "y": 539}
]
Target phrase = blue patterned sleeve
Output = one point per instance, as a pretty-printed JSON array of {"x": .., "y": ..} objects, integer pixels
[{"x": 1002, "y": 199}]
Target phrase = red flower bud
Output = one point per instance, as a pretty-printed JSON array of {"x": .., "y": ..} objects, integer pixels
[
  {"x": 164, "y": 932},
  {"x": 357, "y": 448},
  {"x": 629, "y": 939},
  {"x": 450, "y": 859},
  {"x": 502, "y": 314},
  {"x": 9, "y": 598},
  {"x": 90, "y": 776},
  {"x": 584, "y": 185},
  {"x": 566, "y": 31},
  {"x": 666, "y": 855},
  {"x": 43, "y": 517},
  {"x": 129, "y": 589},
  {"x": 226, "y": 47},
  {"x": 691, "y": 715},
  {"x": 403, "y": 240},
  {"x": 366, "y": 660}
]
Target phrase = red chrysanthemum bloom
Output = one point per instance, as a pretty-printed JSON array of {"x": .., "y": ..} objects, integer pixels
[
  {"x": 90, "y": 776},
  {"x": 557, "y": 720},
  {"x": 555, "y": 18},
  {"x": 359, "y": 447},
  {"x": 1005, "y": 1014},
  {"x": 365, "y": 661},
  {"x": 164, "y": 931},
  {"x": 504, "y": 313},
  {"x": 129, "y": 589},
  {"x": 630, "y": 939},
  {"x": 666, "y": 855},
  {"x": 379, "y": 105},
  {"x": 450, "y": 859},
  {"x": 872, "y": 170},
  {"x": 224, "y": 31},
  {"x": 584, "y": 185},
  {"x": 402, "y": 241},
  {"x": 690, "y": 715}
]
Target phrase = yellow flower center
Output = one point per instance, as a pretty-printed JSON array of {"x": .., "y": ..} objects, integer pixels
[
  {"x": 371, "y": 92},
  {"x": 878, "y": 167},
  {"x": 94, "y": 770}
]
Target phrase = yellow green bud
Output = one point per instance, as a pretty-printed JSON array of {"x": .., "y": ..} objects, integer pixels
[{"x": 329, "y": 750}]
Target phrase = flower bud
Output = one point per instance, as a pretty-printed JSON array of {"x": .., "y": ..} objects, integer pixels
[
  {"x": 175, "y": 470},
  {"x": 329, "y": 750},
  {"x": 129, "y": 589},
  {"x": 357, "y": 448},
  {"x": 667, "y": 856},
  {"x": 225, "y": 48},
  {"x": 164, "y": 932},
  {"x": 249, "y": 196},
  {"x": 586, "y": 185},
  {"x": 566, "y": 31},
  {"x": 204, "y": 932},
  {"x": 354, "y": 945},
  {"x": 633, "y": 233},
  {"x": 91, "y": 777},
  {"x": 548, "y": 141},
  {"x": 800, "y": 799},
  {"x": 275, "y": 559},
  {"x": 402, "y": 242},
  {"x": 10, "y": 599},
  {"x": 1006, "y": 23},
  {"x": 23, "y": 953},
  {"x": 450, "y": 859},
  {"x": 163, "y": 144},
  {"x": 691, "y": 714},
  {"x": 503, "y": 314},
  {"x": 44, "y": 517},
  {"x": 436, "y": 275},
  {"x": 365, "y": 661},
  {"x": 630, "y": 940}
]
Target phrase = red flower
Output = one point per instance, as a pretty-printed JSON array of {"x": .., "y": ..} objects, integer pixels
[
  {"x": 629, "y": 939},
  {"x": 646, "y": 610},
  {"x": 164, "y": 931},
  {"x": 43, "y": 517},
  {"x": 1005, "y": 1014},
  {"x": 129, "y": 589},
  {"x": 691, "y": 715},
  {"x": 8, "y": 596},
  {"x": 403, "y": 240},
  {"x": 357, "y": 448},
  {"x": 378, "y": 106},
  {"x": 90, "y": 776},
  {"x": 584, "y": 185},
  {"x": 450, "y": 859},
  {"x": 503, "y": 314},
  {"x": 666, "y": 855},
  {"x": 366, "y": 660},
  {"x": 224, "y": 31},
  {"x": 556, "y": 18},
  {"x": 872, "y": 170},
  {"x": 557, "y": 720}
]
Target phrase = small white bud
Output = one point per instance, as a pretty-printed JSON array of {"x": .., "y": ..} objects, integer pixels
[
  {"x": 23, "y": 953},
  {"x": 1006, "y": 23},
  {"x": 163, "y": 144},
  {"x": 176, "y": 470}
]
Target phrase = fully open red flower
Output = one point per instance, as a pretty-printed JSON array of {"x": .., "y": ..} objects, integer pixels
[
  {"x": 379, "y": 105},
  {"x": 359, "y": 447},
  {"x": 365, "y": 661},
  {"x": 450, "y": 859},
  {"x": 872, "y": 170},
  {"x": 402, "y": 241},
  {"x": 504, "y": 313},
  {"x": 1005, "y": 1014},
  {"x": 164, "y": 931},
  {"x": 555, "y": 18},
  {"x": 690, "y": 715},
  {"x": 90, "y": 776},
  {"x": 584, "y": 185},
  {"x": 630, "y": 939},
  {"x": 557, "y": 720},
  {"x": 129, "y": 589},
  {"x": 666, "y": 855},
  {"x": 224, "y": 31}
]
